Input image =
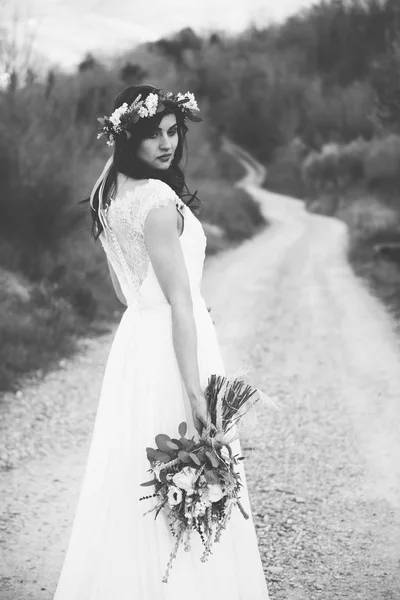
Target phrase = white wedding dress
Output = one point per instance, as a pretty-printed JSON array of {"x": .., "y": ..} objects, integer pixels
[{"x": 116, "y": 553}]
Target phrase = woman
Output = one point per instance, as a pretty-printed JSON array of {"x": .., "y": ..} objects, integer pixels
[{"x": 162, "y": 355}]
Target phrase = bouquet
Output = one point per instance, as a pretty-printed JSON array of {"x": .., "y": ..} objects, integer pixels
[{"x": 196, "y": 482}]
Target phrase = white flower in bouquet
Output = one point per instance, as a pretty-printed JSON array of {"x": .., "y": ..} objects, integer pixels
[
  {"x": 204, "y": 493},
  {"x": 215, "y": 492},
  {"x": 174, "y": 495},
  {"x": 200, "y": 508},
  {"x": 185, "y": 480}
]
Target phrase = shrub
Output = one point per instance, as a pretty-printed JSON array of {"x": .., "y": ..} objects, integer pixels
[
  {"x": 33, "y": 332},
  {"x": 231, "y": 209},
  {"x": 382, "y": 161}
]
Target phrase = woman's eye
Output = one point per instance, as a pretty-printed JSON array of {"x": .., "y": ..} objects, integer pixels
[{"x": 174, "y": 132}]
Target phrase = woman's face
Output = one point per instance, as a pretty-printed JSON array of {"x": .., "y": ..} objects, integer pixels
[{"x": 158, "y": 149}]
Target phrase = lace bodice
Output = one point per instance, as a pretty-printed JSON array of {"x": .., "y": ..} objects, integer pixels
[{"x": 124, "y": 242}]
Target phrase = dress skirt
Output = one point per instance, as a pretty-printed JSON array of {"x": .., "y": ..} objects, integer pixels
[{"x": 116, "y": 553}]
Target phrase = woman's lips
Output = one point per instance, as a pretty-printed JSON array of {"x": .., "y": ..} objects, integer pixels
[{"x": 165, "y": 157}]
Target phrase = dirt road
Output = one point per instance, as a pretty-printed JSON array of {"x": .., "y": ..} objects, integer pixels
[{"x": 323, "y": 470}]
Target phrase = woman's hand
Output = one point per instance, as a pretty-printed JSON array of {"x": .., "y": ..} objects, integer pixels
[{"x": 200, "y": 413}]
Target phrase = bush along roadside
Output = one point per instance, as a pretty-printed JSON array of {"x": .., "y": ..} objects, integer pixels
[
  {"x": 376, "y": 258},
  {"x": 38, "y": 327},
  {"x": 359, "y": 183}
]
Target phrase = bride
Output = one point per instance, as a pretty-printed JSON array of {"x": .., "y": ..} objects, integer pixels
[{"x": 163, "y": 352}]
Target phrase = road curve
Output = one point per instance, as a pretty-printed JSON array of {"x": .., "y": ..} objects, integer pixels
[{"x": 319, "y": 341}]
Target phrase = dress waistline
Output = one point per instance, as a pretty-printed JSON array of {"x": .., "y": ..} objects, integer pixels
[{"x": 146, "y": 306}]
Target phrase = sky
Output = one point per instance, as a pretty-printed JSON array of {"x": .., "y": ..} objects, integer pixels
[{"x": 64, "y": 30}]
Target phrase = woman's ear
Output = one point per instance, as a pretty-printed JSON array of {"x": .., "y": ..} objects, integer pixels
[{"x": 128, "y": 134}]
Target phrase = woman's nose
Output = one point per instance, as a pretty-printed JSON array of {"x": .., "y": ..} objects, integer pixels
[{"x": 165, "y": 143}]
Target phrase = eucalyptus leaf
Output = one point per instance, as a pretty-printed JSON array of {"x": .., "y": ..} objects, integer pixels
[
  {"x": 184, "y": 456},
  {"x": 147, "y": 483},
  {"x": 190, "y": 445},
  {"x": 162, "y": 456},
  {"x": 182, "y": 429},
  {"x": 151, "y": 453},
  {"x": 202, "y": 455},
  {"x": 171, "y": 445},
  {"x": 177, "y": 442},
  {"x": 185, "y": 443},
  {"x": 161, "y": 441},
  {"x": 195, "y": 459}
]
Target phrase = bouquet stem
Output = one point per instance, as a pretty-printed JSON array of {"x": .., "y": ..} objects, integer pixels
[{"x": 173, "y": 554}]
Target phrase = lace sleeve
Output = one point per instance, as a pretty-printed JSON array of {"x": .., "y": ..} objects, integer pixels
[{"x": 158, "y": 194}]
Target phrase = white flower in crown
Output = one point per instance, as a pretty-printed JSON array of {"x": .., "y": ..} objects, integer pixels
[
  {"x": 115, "y": 118},
  {"x": 114, "y": 125},
  {"x": 192, "y": 104},
  {"x": 151, "y": 103},
  {"x": 143, "y": 112}
]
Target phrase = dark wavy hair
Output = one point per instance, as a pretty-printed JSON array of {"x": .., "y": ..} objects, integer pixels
[{"x": 126, "y": 161}]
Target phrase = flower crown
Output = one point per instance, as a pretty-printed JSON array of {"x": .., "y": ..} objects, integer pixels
[{"x": 123, "y": 117}]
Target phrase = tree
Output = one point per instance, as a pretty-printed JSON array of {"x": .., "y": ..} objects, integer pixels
[
  {"x": 16, "y": 44},
  {"x": 88, "y": 63},
  {"x": 132, "y": 73},
  {"x": 386, "y": 83}
]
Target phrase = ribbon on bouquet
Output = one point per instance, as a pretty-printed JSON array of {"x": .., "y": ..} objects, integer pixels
[{"x": 99, "y": 185}]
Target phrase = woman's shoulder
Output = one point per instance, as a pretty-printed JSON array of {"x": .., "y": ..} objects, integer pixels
[
  {"x": 151, "y": 191},
  {"x": 159, "y": 187}
]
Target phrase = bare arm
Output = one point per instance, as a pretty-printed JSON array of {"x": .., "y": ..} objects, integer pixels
[
  {"x": 167, "y": 259},
  {"x": 116, "y": 285}
]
